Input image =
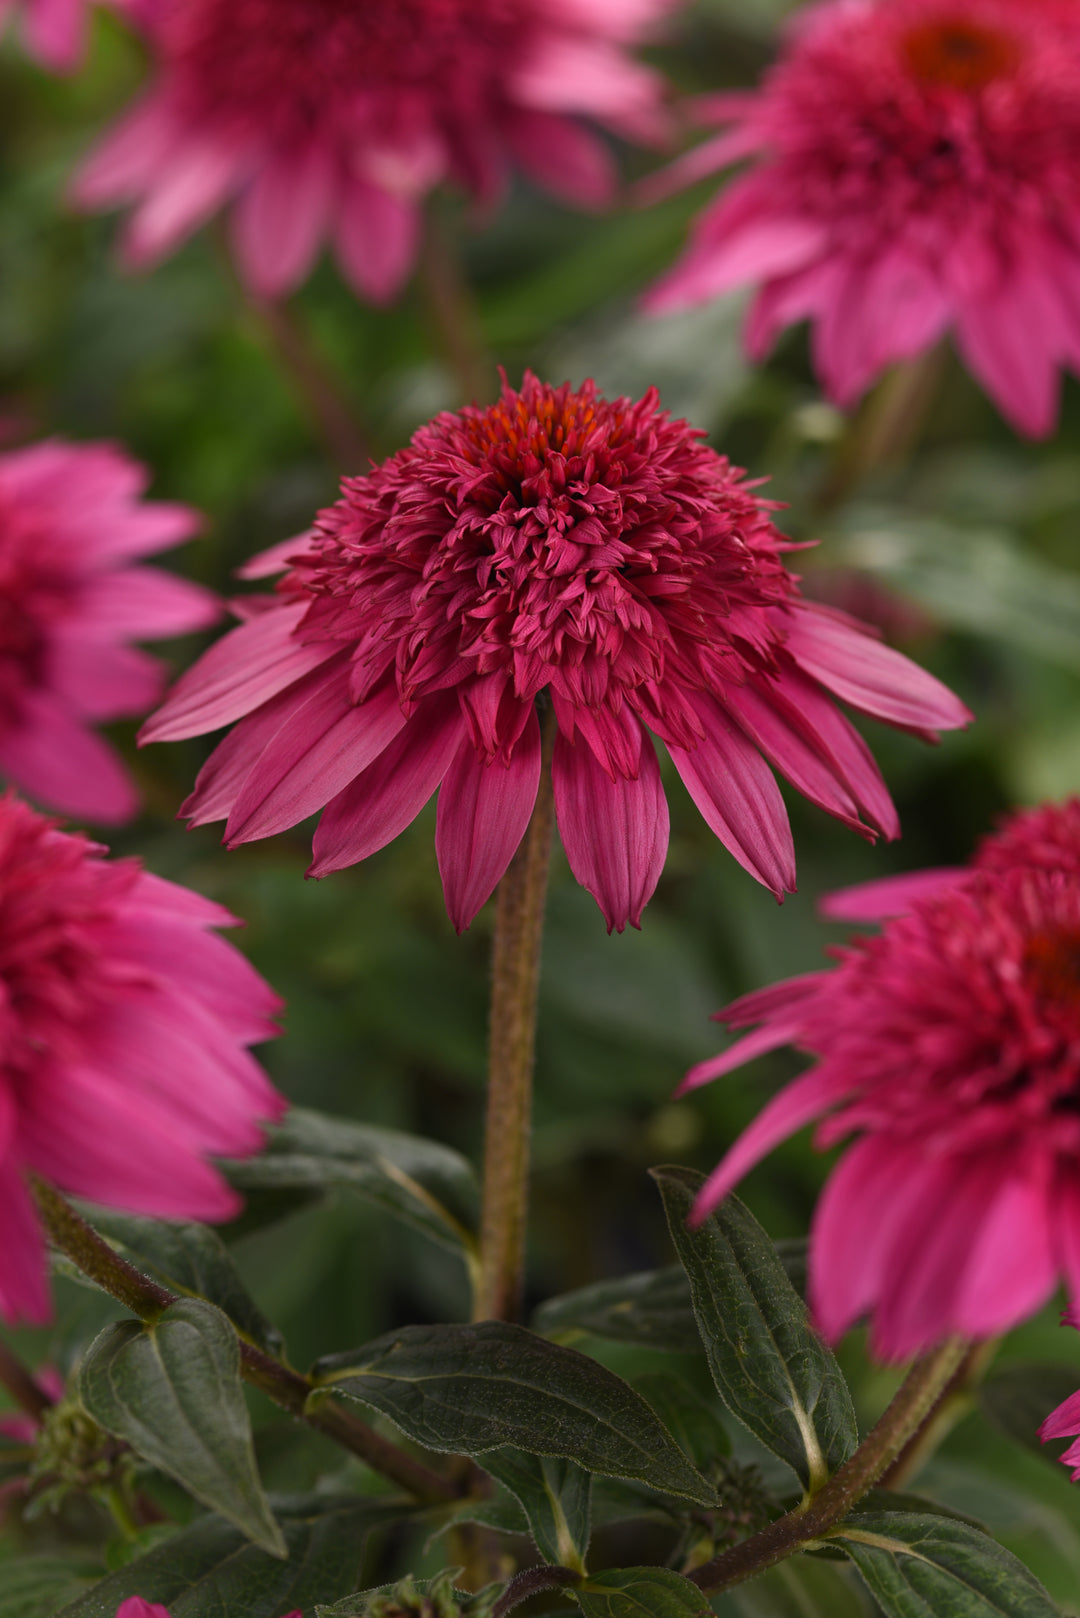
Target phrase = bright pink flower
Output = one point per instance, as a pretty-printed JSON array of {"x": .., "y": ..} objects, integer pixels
[
  {"x": 55, "y": 30},
  {"x": 917, "y": 170},
  {"x": 1064, "y": 1422},
  {"x": 949, "y": 1047},
  {"x": 136, "y": 1607},
  {"x": 71, "y": 525},
  {"x": 557, "y": 543},
  {"x": 327, "y": 119},
  {"x": 124, "y": 1022}
]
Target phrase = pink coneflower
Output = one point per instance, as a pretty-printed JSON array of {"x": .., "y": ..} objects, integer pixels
[
  {"x": 917, "y": 169},
  {"x": 71, "y": 524},
  {"x": 136, "y": 1607},
  {"x": 949, "y": 1047},
  {"x": 123, "y": 1026},
  {"x": 558, "y": 544},
  {"x": 332, "y": 119},
  {"x": 1064, "y": 1422}
]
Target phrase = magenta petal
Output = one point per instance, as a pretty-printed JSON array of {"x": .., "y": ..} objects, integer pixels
[
  {"x": 322, "y": 745},
  {"x": 563, "y": 156},
  {"x": 24, "y": 1289},
  {"x": 192, "y": 183},
  {"x": 54, "y": 760},
  {"x": 796, "y": 1105},
  {"x": 1012, "y": 1269},
  {"x": 136, "y": 1607},
  {"x": 872, "y": 677},
  {"x": 850, "y": 756},
  {"x": 789, "y": 741},
  {"x": 889, "y": 896},
  {"x": 1064, "y": 1422},
  {"x": 615, "y": 833},
  {"x": 147, "y": 602},
  {"x": 1067, "y": 1225},
  {"x": 56, "y": 32},
  {"x": 100, "y": 681},
  {"x": 851, "y": 1218},
  {"x": 738, "y": 796},
  {"x": 390, "y": 793},
  {"x": 279, "y": 220},
  {"x": 742, "y": 1051},
  {"x": 484, "y": 809},
  {"x": 378, "y": 236},
  {"x": 240, "y": 672}
]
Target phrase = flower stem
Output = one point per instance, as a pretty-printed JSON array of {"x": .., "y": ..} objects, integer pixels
[
  {"x": 319, "y": 390},
  {"x": 21, "y": 1385},
  {"x": 951, "y": 1404},
  {"x": 454, "y": 313},
  {"x": 915, "y": 1403},
  {"x": 887, "y": 428},
  {"x": 515, "y": 978},
  {"x": 70, "y": 1233}
]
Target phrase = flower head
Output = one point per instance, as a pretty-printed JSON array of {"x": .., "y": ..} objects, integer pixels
[
  {"x": 71, "y": 525},
  {"x": 917, "y": 169},
  {"x": 124, "y": 1022},
  {"x": 136, "y": 1607},
  {"x": 332, "y": 119},
  {"x": 948, "y": 1047},
  {"x": 552, "y": 543}
]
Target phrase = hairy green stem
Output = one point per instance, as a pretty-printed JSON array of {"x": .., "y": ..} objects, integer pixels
[
  {"x": 21, "y": 1385},
  {"x": 83, "y": 1245},
  {"x": 951, "y": 1404},
  {"x": 914, "y": 1404},
  {"x": 515, "y": 978}
]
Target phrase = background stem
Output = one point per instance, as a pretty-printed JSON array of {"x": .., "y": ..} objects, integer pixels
[
  {"x": 914, "y": 1404},
  {"x": 515, "y": 977},
  {"x": 318, "y": 389},
  {"x": 454, "y": 313},
  {"x": 82, "y": 1244}
]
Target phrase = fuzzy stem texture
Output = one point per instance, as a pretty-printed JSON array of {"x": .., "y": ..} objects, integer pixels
[
  {"x": 21, "y": 1385},
  {"x": 453, "y": 311},
  {"x": 71, "y": 1234},
  {"x": 515, "y": 978},
  {"x": 915, "y": 1403}
]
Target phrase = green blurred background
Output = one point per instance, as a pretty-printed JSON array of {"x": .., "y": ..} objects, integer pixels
[{"x": 967, "y": 550}]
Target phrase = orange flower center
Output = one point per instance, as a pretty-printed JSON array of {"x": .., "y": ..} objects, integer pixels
[{"x": 959, "y": 54}]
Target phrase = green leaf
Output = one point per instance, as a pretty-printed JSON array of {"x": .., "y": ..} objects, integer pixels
[
  {"x": 641, "y": 1592},
  {"x": 501, "y": 1511},
  {"x": 210, "y": 1571},
  {"x": 771, "y": 1368},
  {"x": 427, "y": 1184},
  {"x": 916, "y": 1566},
  {"x": 467, "y": 1389},
  {"x": 34, "y": 1586},
  {"x": 556, "y": 1495},
  {"x": 440, "y": 1592},
  {"x": 984, "y": 580},
  {"x": 687, "y": 1416},
  {"x": 172, "y": 1388},
  {"x": 194, "y": 1260},
  {"x": 652, "y": 1309},
  {"x": 1017, "y": 1399},
  {"x": 802, "y": 1587}
]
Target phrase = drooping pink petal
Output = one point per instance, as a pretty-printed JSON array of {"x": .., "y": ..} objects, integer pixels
[
  {"x": 321, "y": 746},
  {"x": 888, "y": 895},
  {"x": 484, "y": 810},
  {"x": 56, "y": 32},
  {"x": 146, "y": 601},
  {"x": 872, "y": 677},
  {"x": 280, "y": 219},
  {"x": 1011, "y": 342},
  {"x": 130, "y": 156},
  {"x": 136, "y": 1607},
  {"x": 738, "y": 797},
  {"x": 240, "y": 672},
  {"x": 188, "y": 190},
  {"x": 564, "y": 157},
  {"x": 786, "y": 737},
  {"x": 796, "y": 1105},
  {"x": 1012, "y": 1268},
  {"x": 743, "y": 1050},
  {"x": 1064, "y": 1421},
  {"x": 615, "y": 833},
  {"x": 53, "y": 758},
  {"x": 762, "y": 247},
  {"x": 102, "y": 681},
  {"x": 378, "y": 236},
  {"x": 849, "y": 753},
  {"x": 390, "y": 793},
  {"x": 24, "y": 1291},
  {"x": 851, "y": 1225}
]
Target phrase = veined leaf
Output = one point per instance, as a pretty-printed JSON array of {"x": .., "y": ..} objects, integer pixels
[
  {"x": 770, "y": 1367},
  {"x": 34, "y": 1586},
  {"x": 917, "y": 1565},
  {"x": 427, "y": 1184},
  {"x": 192, "y": 1259},
  {"x": 652, "y": 1309},
  {"x": 641, "y": 1592},
  {"x": 210, "y": 1571},
  {"x": 556, "y": 1497},
  {"x": 172, "y": 1388},
  {"x": 467, "y": 1389}
]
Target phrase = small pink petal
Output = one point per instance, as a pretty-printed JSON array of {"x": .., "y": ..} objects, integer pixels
[
  {"x": 54, "y": 760},
  {"x": 378, "y": 236},
  {"x": 564, "y": 157},
  {"x": 888, "y": 896},
  {"x": 796, "y": 1105},
  {"x": 279, "y": 221},
  {"x": 743, "y": 1050}
]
